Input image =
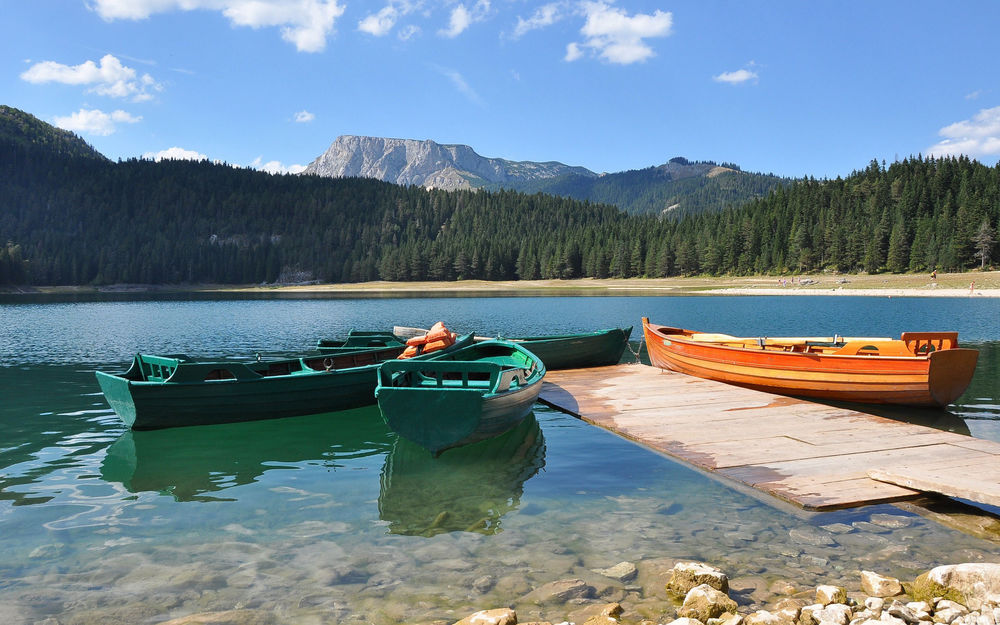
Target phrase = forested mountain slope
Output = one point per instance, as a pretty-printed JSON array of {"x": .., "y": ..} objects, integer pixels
[
  {"x": 75, "y": 218},
  {"x": 674, "y": 189}
]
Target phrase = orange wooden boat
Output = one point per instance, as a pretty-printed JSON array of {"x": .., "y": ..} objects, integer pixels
[{"x": 919, "y": 369}]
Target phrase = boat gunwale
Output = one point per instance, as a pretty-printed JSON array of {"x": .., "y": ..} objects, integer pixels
[{"x": 654, "y": 328}]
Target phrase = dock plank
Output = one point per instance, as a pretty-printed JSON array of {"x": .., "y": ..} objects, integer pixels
[{"x": 817, "y": 456}]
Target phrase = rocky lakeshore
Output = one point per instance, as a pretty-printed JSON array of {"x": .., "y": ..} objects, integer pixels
[{"x": 696, "y": 593}]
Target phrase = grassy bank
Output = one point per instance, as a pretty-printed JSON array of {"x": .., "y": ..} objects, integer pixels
[{"x": 954, "y": 284}]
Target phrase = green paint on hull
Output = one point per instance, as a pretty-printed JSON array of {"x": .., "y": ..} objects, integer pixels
[
  {"x": 466, "y": 396},
  {"x": 577, "y": 351},
  {"x": 176, "y": 391}
]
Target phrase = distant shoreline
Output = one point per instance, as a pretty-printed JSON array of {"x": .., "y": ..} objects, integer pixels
[{"x": 983, "y": 284}]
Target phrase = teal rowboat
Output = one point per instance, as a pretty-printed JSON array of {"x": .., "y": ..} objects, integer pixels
[
  {"x": 565, "y": 351},
  {"x": 462, "y": 397},
  {"x": 360, "y": 339},
  {"x": 175, "y": 391},
  {"x": 576, "y": 351}
]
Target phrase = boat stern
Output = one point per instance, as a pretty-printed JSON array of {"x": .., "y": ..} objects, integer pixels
[
  {"x": 432, "y": 419},
  {"x": 118, "y": 393},
  {"x": 950, "y": 373}
]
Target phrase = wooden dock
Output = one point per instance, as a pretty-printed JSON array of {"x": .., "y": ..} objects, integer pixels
[{"x": 813, "y": 455}]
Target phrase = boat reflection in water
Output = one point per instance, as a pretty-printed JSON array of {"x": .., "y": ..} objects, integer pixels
[
  {"x": 467, "y": 488},
  {"x": 191, "y": 463}
]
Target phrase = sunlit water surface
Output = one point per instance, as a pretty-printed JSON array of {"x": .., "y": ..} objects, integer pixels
[{"x": 331, "y": 519}]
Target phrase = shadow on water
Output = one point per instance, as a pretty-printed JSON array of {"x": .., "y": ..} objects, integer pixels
[
  {"x": 190, "y": 463},
  {"x": 464, "y": 489}
]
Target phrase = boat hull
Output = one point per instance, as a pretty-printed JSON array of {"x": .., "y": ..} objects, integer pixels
[
  {"x": 577, "y": 351},
  {"x": 564, "y": 351},
  {"x": 152, "y": 405},
  {"x": 440, "y": 421},
  {"x": 163, "y": 392},
  {"x": 932, "y": 380},
  {"x": 471, "y": 395}
]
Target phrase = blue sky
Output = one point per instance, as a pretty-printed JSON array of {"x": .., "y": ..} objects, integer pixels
[{"x": 795, "y": 88}]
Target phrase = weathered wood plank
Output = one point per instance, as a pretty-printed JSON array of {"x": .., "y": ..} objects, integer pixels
[
  {"x": 813, "y": 455},
  {"x": 974, "y": 486}
]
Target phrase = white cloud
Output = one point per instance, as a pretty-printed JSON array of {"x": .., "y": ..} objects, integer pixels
[
  {"x": 408, "y": 32},
  {"x": 573, "y": 52},
  {"x": 979, "y": 136},
  {"x": 735, "y": 78},
  {"x": 276, "y": 167},
  {"x": 974, "y": 95},
  {"x": 95, "y": 122},
  {"x": 379, "y": 24},
  {"x": 109, "y": 78},
  {"x": 175, "y": 154},
  {"x": 305, "y": 23},
  {"x": 304, "y": 117},
  {"x": 617, "y": 38},
  {"x": 543, "y": 16},
  {"x": 462, "y": 18},
  {"x": 459, "y": 81}
]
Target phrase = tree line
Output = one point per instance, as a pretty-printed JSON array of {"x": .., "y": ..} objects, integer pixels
[{"x": 71, "y": 220}]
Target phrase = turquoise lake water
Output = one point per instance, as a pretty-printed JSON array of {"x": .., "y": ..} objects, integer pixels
[{"x": 332, "y": 519}]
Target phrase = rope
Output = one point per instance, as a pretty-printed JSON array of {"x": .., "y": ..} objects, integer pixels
[{"x": 636, "y": 352}]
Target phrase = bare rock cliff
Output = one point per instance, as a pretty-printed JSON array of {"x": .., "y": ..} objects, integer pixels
[{"x": 429, "y": 164}]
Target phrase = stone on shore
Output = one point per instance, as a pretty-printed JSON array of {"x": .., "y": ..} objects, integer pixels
[
  {"x": 685, "y": 620},
  {"x": 875, "y": 585},
  {"x": 971, "y": 584},
  {"x": 788, "y": 609},
  {"x": 687, "y": 575},
  {"x": 596, "y": 612},
  {"x": 499, "y": 616},
  {"x": 704, "y": 602},
  {"x": 825, "y": 595},
  {"x": 608, "y": 616},
  {"x": 763, "y": 617}
]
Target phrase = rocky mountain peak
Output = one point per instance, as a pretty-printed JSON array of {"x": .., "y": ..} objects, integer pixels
[{"x": 429, "y": 164}]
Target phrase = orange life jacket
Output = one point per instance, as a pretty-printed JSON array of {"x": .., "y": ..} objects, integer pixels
[{"x": 438, "y": 337}]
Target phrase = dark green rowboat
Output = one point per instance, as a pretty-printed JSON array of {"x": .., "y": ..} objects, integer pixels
[
  {"x": 462, "y": 397},
  {"x": 360, "y": 339},
  {"x": 565, "y": 351},
  {"x": 175, "y": 391},
  {"x": 576, "y": 351}
]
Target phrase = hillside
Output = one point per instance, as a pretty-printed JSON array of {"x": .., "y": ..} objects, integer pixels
[
  {"x": 674, "y": 189},
  {"x": 18, "y": 128},
  {"x": 71, "y": 218}
]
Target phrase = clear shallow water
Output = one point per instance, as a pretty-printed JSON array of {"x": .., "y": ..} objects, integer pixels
[{"x": 330, "y": 518}]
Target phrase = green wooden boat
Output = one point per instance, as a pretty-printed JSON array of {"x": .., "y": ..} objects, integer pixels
[
  {"x": 564, "y": 351},
  {"x": 360, "y": 339},
  {"x": 175, "y": 391},
  {"x": 467, "y": 489},
  {"x": 465, "y": 396}
]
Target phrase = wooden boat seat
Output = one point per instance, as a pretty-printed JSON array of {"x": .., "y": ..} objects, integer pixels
[{"x": 925, "y": 342}]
